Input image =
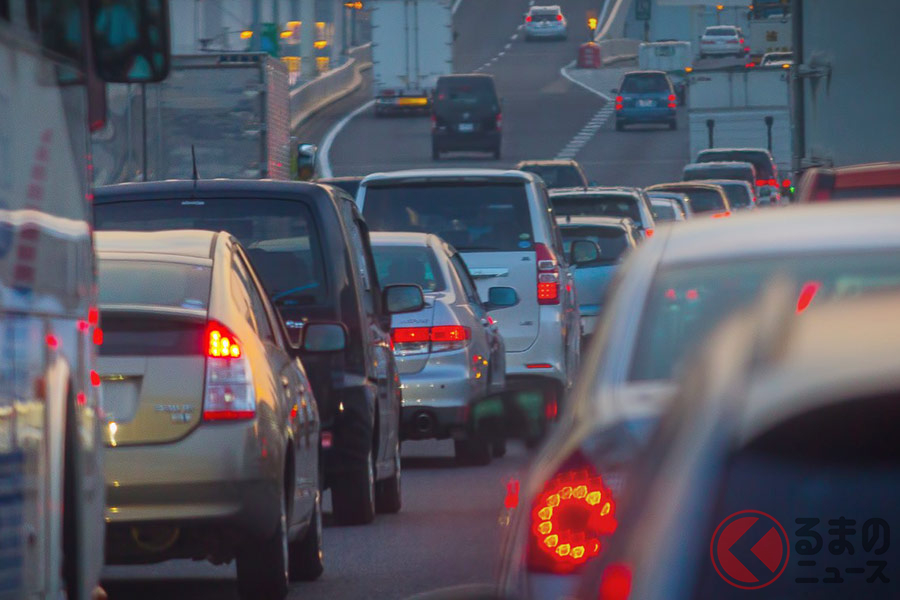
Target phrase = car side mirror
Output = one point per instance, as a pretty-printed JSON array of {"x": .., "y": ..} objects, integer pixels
[
  {"x": 324, "y": 337},
  {"x": 501, "y": 297},
  {"x": 307, "y": 159},
  {"x": 584, "y": 252},
  {"x": 130, "y": 40},
  {"x": 403, "y": 298}
]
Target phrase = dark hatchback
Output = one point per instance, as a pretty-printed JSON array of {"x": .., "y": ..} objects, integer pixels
[
  {"x": 288, "y": 229},
  {"x": 466, "y": 115}
]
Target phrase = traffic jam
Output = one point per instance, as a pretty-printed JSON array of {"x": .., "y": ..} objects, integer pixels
[{"x": 436, "y": 300}]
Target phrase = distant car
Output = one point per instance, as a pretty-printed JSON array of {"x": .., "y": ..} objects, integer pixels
[
  {"x": 646, "y": 97},
  {"x": 743, "y": 171},
  {"x": 620, "y": 202},
  {"x": 558, "y": 173},
  {"x": 681, "y": 199},
  {"x": 793, "y": 423},
  {"x": 669, "y": 295},
  {"x": 777, "y": 59},
  {"x": 741, "y": 195},
  {"x": 723, "y": 40},
  {"x": 348, "y": 184},
  {"x": 615, "y": 237},
  {"x": 769, "y": 188},
  {"x": 542, "y": 22},
  {"x": 212, "y": 428},
  {"x": 874, "y": 180},
  {"x": 450, "y": 355},
  {"x": 667, "y": 210},
  {"x": 707, "y": 200},
  {"x": 466, "y": 115}
]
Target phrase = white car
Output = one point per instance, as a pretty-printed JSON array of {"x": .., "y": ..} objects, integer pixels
[
  {"x": 723, "y": 40},
  {"x": 777, "y": 59},
  {"x": 542, "y": 22}
]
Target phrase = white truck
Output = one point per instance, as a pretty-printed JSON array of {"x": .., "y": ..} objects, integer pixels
[
  {"x": 412, "y": 45},
  {"x": 773, "y": 34},
  {"x": 739, "y": 107}
]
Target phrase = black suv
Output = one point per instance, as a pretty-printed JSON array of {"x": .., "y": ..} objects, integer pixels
[
  {"x": 465, "y": 115},
  {"x": 310, "y": 247}
]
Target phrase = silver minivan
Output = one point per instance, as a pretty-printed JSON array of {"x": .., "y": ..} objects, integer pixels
[{"x": 502, "y": 224}]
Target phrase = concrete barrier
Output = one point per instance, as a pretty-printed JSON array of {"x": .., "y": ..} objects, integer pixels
[
  {"x": 616, "y": 50},
  {"x": 311, "y": 97},
  {"x": 614, "y": 47}
]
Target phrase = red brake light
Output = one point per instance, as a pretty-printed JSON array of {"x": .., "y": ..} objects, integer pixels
[
  {"x": 422, "y": 340},
  {"x": 547, "y": 275},
  {"x": 786, "y": 183},
  {"x": 222, "y": 343},
  {"x": 407, "y": 335},
  {"x": 750, "y": 65},
  {"x": 773, "y": 182},
  {"x": 559, "y": 17},
  {"x": 569, "y": 518},
  {"x": 807, "y": 294},
  {"x": 619, "y": 102},
  {"x": 649, "y": 232},
  {"x": 229, "y": 393},
  {"x": 760, "y": 182},
  {"x": 615, "y": 582},
  {"x": 528, "y": 19}
]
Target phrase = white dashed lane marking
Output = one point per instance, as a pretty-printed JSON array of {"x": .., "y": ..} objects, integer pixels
[{"x": 586, "y": 133}]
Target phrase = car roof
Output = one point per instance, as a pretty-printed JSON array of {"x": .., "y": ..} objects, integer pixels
[
  {"x": 401, "y": 238},
  {"x": 724, "y": 182},
  {"x": 595, "y": 191},
  {"x": 546, "y": 8},
  {"x": 719, "y": 164},
  {"x": 475, "y": 174},
  {"x": 186, "y": 243},
  {"x": 711, "y": 150},
  {"x": 856, "y": 226},
  {"x": 645, "y": 72},
  {"x": 464, "y": 76},
  {"x": 623, "y": 222},
  {"x": 342, "y": 178},
  {"x": 665, "y": 201},
  {"x": 566, "y": 162},
  {"x": 661, "y": 187},
  {"x": 186, "y": 188}
]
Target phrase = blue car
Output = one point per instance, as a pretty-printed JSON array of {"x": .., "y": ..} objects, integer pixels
[
  {"x": 646, "y": 97},
  {"x": 614, "y": 236}
]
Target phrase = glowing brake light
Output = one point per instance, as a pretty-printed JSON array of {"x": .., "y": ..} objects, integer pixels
[
  {"x": 786, "y": 183},
  {"x": 807, "y": 294},
  {"x": 649, "y": 232},
  {"x": 672, "y": 101},
  {"x": 615, "y": 582},
  {"x": 547, "y": 275},
  {"x": 619, "y": 102},
  {"x": 559, "y": 17},
  {"x": 422, "y": 340},
  {"x": 222, "y": 344},
  {"x": 772, "y": 182},
  {"x": 229, "y": 393},
  {"x": 528, "y": 19},
  {"x": 760, "y": 182}
]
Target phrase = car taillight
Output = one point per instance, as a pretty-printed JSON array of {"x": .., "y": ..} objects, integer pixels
[
  {"x": 547, "y": 275},
  {"x": 786, "y": 183},
  {"x": 528, "y": 19},
  {"x": 569, "y": 519},
  {"x": 499, "y": 121},
  {"x": 615, "y": 582},
  {"x": 772, "y": 182},
  {"x": 229, "y": 393},
  {"x": 422, "y": 340},
  {"x": 721, "y": 215},
  {"x": 649, "y": 232},
  {"x": 559, "y": 17},
  {"x": 619, "y": 102},
  {"x": 672, "y": 103}
]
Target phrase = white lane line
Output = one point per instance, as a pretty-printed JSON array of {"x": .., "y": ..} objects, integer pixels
[
  {"x": 455, "y": 6},
  {"x": 508, "y": 46},
  {"x": 332, "y": 134},
  {"x": 565, "y": 73}
]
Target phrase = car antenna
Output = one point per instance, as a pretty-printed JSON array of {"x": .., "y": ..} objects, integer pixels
[{"x": 194, "y": 166}]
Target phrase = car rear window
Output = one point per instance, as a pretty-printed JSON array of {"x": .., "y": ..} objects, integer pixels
[
  {"x": 408, "y": 264},
  {"x": 461, "y": 92},
  {"x": 830, "y": 477},
  {"x": 153, "y": 283},
  {"x": 473, "y": 217},
  {"x": 280, "y": 236},
  {"x": 704, "y": 200},
  {"x": 717, "y": 172},
  {"x": 612, "y": 240},
  {"x": 738, "y": 195},
  {"x": 135, "y": 333},
  {"x": 686, "y": 302},
  {"x": 609, "y": 205},
  {"x": 760, "y": 160},
  {"x": 538, "y": 17},
  {"x": 663, "y": 211},
  {"x": 645, "y": 83},
  {"x": 717, "y": 31},
  {"x": 556, "y": 176}
]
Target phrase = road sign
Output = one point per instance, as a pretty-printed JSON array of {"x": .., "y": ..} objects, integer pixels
[{"x": 642, "y": 9}]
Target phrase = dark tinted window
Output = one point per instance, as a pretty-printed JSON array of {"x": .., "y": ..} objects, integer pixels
[
  {"x": 645, "y": 83},
  {"x": 721, "y": 31},
  {"x": 613, "y": 241},
  {"x": 716, "y": 172},
  {"x": 557, "y": 176},
  {"x": 663, "y": 212},
  {"x": 544, "y": 17},
  {"x": 280, "y": 237},
  {"x": 141, "y": 334},
  {"x": 704, "y": 200},
  {"x": 470, "y": 91},
  {"x": 738, "y": 195},
  {"x": 408, "y": 264},
  {"x": 611, "y": 205},
  {"x": 759, "y": 159},
  {"x": 470, "y": 216},
  {"x": 685, "y": 303},
  {"x": 153, "y": 283}
]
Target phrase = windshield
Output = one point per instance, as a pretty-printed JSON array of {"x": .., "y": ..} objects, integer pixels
[
  {"x": 408, "y": 264},
  {"x": 280, "y": 237},
  {"x": 685, "y": 303},
  {"x": 612, "y": 205},
  {"x": 474, "y": 217},
  {"x": 556, "y": 176},
  {"x": 613, "y": 241},
  {"x": 760, "y": 160}
]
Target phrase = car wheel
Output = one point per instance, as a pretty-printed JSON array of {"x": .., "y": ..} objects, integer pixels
[
  {"x": 673, "y": 124},
  {"x": 498, "y": 447},
  {"x": 353, "y": 495},
  {"x": 262, "y": 566},
  {"x": 305, "y": 556},
  {"x": 388, "y": 492},
  {"x": 472, "y": 451}
]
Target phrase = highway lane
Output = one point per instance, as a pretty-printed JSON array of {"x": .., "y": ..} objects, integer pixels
[{"x": 446, "y": 534}]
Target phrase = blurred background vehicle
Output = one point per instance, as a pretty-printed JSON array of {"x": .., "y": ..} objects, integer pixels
[
  {"x": 680, "y": 199},
  {"x": 645, "y": 97},
  {"x": 213, "y": 432},
  {"x": 558, "y": 173},
  {"x": 741, "y": 195},
  {"x": 543, "y": 22},
  {"x": 777, "y": 59},
  {"x": 767, "y": 182},
  {"x": 666, "y": 210},
  {"x": 288, "y": 228},
  {"x": 450, "y": 355},
  {"x": 501, "y": 224},
  {"x": 615, "y": 237},
  {"x": 622, "y": 202},
  {"x": 723, "y": 40},
  {"x": 742, "y": 171},
  {"x": 877, "y": 180},
  {"x": 706, "y": 199},
  {"x": 765, "y": 417},
  {"x": 466, "y": 116}
]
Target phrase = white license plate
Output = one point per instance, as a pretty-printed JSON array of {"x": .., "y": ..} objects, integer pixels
[
  {"x": 645, "y": 103},
  {"x": 466, "y": 127}
]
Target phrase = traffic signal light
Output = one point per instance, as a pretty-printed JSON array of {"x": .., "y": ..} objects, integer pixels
[{"x": 592, "y": 23}]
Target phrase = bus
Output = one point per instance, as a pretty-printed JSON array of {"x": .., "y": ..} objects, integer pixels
[{"x": 56, "y": 57}]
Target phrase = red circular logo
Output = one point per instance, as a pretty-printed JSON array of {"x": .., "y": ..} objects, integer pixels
[{"x": 750, "y": 549}]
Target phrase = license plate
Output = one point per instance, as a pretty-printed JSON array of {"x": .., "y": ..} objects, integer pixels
[
  {"x": 466, "y": 127},
  {"x": 645, "y": 103}
]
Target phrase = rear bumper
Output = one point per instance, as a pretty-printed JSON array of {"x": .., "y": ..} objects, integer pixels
[
  {"x": 554, "y": 31},
  {"x": 645, "y": 115},
  {"x": 480, "y": 140}
]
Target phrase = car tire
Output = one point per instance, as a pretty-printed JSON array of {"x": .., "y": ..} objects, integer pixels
[
  {"x": 472, "y": 452},
  {"x": 353, "y": 495},
  {"x": 305, "y": 556},
  {"x": 498, "y": 447},
  {"x": 673, "y": 124},
  {"x": 262, "y": 566},
  {"x": 389, "y": 492}
]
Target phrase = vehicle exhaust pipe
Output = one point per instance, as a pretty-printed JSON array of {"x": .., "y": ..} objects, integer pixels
[{"x": 424, "y": 423}]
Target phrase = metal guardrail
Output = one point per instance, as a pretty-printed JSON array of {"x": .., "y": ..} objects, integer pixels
[{"x": 312, "y": 96}]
